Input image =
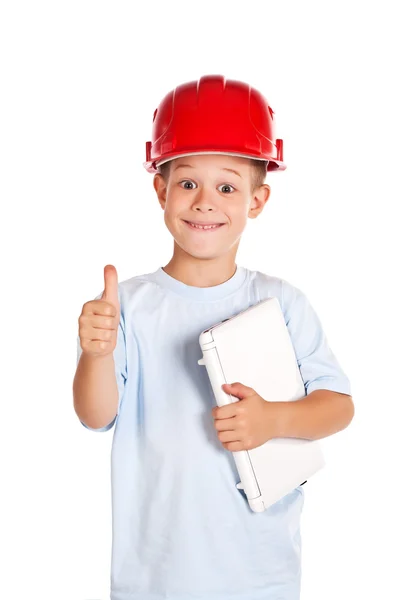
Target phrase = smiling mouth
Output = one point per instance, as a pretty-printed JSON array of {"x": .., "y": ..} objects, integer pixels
[{"x": 211, "y": 227}]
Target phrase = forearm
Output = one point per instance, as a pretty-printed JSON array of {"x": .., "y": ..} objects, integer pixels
[
  {"x": 318, "y": 415},
  {"x": 95, "y": 390}
]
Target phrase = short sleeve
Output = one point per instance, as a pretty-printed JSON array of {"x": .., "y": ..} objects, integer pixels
[
  {"x": 318, "y": 365},
  {"x": 119, "y": 355}
]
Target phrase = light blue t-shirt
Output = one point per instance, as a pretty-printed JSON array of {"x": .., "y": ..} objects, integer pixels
[{"x": 181, "y": 529}]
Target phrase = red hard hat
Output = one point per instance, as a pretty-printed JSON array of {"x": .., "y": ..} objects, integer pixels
[{"x": 214, "y": 115}]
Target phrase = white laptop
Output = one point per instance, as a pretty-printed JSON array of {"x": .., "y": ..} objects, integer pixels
[{"x": 254, "y": 347}]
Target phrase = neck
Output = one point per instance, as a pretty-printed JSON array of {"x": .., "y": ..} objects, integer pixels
[{"x": 201, "y": 272}]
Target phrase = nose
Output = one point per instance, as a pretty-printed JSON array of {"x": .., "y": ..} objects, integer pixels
[{"x": 202, "y": 203}]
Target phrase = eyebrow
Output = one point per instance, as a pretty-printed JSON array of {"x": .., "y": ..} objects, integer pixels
[{"x": 223, "y": 169}]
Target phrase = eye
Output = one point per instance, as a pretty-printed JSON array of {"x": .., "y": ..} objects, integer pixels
[
  {"x": 187, "y": 181},
  {"x": 227, "y": 185}
]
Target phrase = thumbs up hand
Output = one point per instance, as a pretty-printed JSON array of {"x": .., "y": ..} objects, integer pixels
[{"x": 99, "y": 319}]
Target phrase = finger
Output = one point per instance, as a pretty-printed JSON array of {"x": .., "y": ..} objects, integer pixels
[
  {"x": 89, "y": 333},
  {"x": 233, "y": 446},
  {"x": 100, "y": 322},
  {"x": 97, "y": 346},
  {"x": 102, "y": 335},
  {"x": 225, "y": 412},
  {"x": 225, "y": 424},
  {"x": 238, "y": 390},
  {"x": 228, "y": 436},
  {"x": 110, "y": 293},
  {"x": 99, "y": 307}
]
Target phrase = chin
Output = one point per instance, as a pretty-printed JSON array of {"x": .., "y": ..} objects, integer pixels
[{"x": 206, "y": 254}]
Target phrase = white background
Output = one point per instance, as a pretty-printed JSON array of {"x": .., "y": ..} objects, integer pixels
[{"x": 80, "y": 82}]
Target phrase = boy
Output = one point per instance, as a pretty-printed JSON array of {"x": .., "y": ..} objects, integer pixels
[{"x": 181, "y": 529}]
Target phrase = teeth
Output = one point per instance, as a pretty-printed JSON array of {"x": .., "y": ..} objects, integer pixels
[{"x": 204, "y": 226}]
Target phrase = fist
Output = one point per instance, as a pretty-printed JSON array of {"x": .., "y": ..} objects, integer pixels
[{"x": 99, "y": 319}]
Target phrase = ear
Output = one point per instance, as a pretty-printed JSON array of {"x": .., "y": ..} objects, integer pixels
[
  {"x": 161, "y": 189},
  {"x": 259, "y": 200}
]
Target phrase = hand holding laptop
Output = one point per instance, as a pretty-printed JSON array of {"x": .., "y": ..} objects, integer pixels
[
  {"x": 254, "y": 349},
  {"x": 248, "y": 423}
]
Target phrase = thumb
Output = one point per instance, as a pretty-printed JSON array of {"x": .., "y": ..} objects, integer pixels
[
  {"x": 110, "y": 293},
  {"x": 239, "y": 390}
]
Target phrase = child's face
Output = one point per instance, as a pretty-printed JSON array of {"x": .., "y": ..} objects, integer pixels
[{"x": 202, "y": 188}]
